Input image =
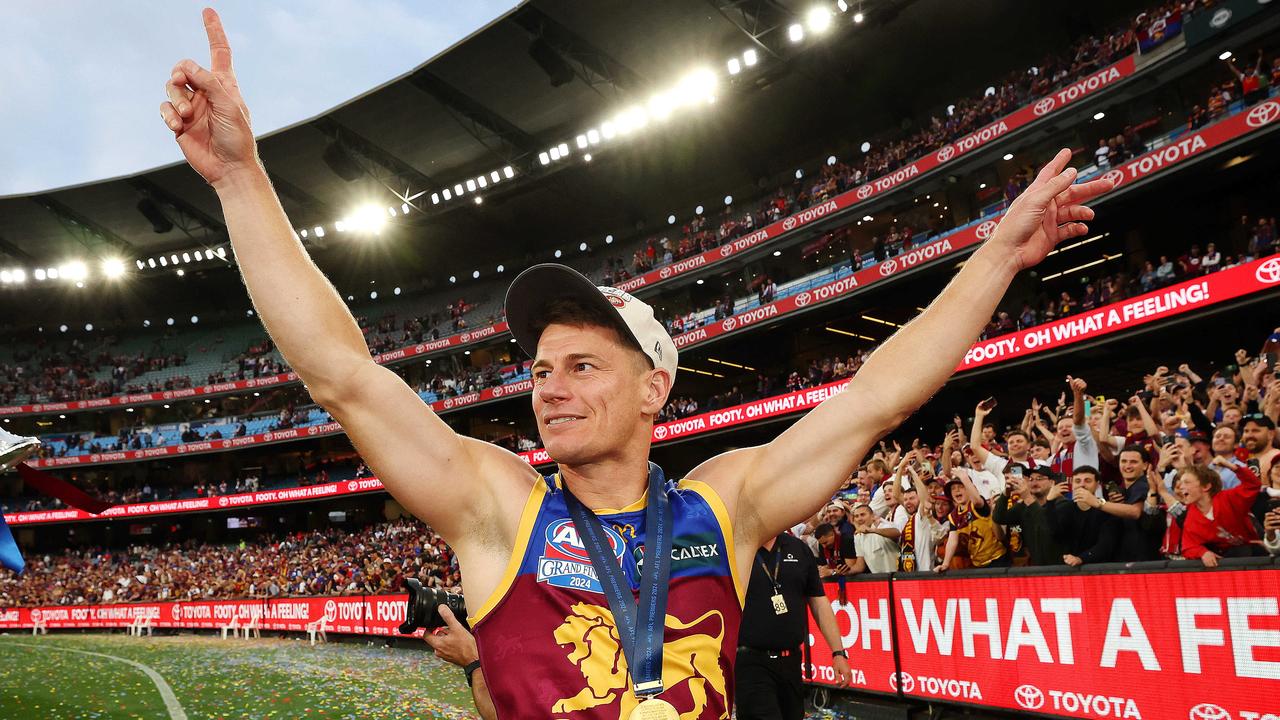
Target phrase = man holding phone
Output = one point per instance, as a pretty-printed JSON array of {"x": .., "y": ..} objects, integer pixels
[{"x": 1025, "y": 504}]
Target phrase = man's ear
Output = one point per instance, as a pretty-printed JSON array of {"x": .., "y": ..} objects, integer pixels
[{"x": 657, "y": 388}]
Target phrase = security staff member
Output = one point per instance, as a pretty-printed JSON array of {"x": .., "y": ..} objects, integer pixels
[{"x": 784, "y": 580}]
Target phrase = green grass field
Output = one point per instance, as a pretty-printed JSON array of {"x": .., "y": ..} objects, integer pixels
[{"x": 214, "y": 678}]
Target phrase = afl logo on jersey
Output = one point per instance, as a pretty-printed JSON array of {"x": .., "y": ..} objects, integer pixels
[{"x": 565, "y": 561}]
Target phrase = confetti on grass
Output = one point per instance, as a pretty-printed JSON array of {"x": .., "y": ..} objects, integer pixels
[{"x": 217, "y": 679}]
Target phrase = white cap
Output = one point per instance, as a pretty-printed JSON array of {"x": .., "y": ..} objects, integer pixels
[{"x": 537, "y": 286}]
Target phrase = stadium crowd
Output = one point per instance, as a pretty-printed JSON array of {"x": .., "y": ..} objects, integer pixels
[
  {"x": 1187, "y": 467},
  {"x": 40, "y": 376},
  {"x": 1184, "y": 468},
  {"x": 336, "y": 561}
]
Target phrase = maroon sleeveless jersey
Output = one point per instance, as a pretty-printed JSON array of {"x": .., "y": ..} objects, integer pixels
[{"x": 546, "y": 636}]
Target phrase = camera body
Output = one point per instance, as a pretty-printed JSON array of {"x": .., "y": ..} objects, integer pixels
[{"x": 422, "y": 608}]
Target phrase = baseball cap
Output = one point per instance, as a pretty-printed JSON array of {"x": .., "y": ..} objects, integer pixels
[{"x": 537, "y": 286}]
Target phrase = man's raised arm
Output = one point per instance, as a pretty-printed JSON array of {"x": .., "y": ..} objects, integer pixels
[
  {"x": 785, "y": 479},
  {"x": 415, "y": 454}
]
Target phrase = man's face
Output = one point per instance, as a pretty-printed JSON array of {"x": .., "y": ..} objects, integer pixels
[
  {"x": 911, "y": 501},
  {"x": 1257, "y": 438},
  {"x": 1017, "y": 446},
  {"x": 1064, "y": 430},
  {"x": 1224, "y": 440},
  {"x": 890, "y": 494},
  {"x": 1229, "y": 394},
  {"x": 592, "y": 394},
  {"x": 1088, "y": 481},
  {"x": 988, "y": 434},
  {"x": 834, "y": 515},
  {"x": 1231, "y": 416},
  {"x": 862, "y": 517},
  {"x": 1190, "y": 491},
  {"x": 1040, "y": 452},
  {"x": 875, "y": 475},
  {"x": 958, "y": 494},
  {"x": 827, "y": 540},
  {"x": 1133, "y": 466},
  {"x": 1039, "y": 485}
]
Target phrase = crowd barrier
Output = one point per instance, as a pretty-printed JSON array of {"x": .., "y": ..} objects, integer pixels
[
  {"x": 1160, "y": 641},
  {"x": 348, "y": 614},
  {"x": 1149, "y": 640}
]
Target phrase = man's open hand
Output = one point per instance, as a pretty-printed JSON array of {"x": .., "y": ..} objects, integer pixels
[
  {"x": 1048, "y": 212},
  {"x": 206, "y": 113}
]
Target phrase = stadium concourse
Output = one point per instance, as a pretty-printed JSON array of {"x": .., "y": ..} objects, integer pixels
[{"x": 1096, "y": 489}]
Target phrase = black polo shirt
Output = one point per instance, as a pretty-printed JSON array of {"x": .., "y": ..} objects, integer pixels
[{"x": 798, "y": 577}]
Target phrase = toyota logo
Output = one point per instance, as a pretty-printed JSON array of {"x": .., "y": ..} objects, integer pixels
[
  {"x": 448, "y": 403},
  {"x": 1208, "y": 711},
  {"x": 659, "y": 432},
  {"x": 222, "y": 500},
  {"x": 986, "y": 229},
  {"x": 35, "y": 615},
  {"x": 1268, "y": 272},
  {"x": 1029, "y": 697},
  {"x": 312, "y": 430},
  {"x": 1043, "y": 105},
  {"x": 788, "y": 223},
  {"x": 1263, "y": 114},
  {"x": 665, "y": 272},
  {"x": 268, "y": 437},
  {"x": 1220, "y": 18},
  {"x": 726, "y": 250},
  {"x": 497, "y": 391},
  {"x": 176, "y": 610},
  {"x": 168, "y": 395},
  {"x": 946, "y": 153},
  {"x": 351, "y": 486},
  {"x": 864, "y": 192},
  {"x": 803, "y": 299},
  {"x": 889, "y": 267},
  {"x": 419, "y": 349},
  {"x": 330, "y": 611},
  {"x": 94, "y": 458},
  {"x": 729, "y": 324},
  {"x": 466, "y": 337},
  {"x": 907, "y": 682},
  {"x": 1115, "y": 176}
]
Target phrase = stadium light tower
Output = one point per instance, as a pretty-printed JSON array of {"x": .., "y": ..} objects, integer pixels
[{"x": 367, "y": 218}]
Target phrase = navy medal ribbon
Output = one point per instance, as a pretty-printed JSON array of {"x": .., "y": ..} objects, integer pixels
[{"x": 640, "y": 630}]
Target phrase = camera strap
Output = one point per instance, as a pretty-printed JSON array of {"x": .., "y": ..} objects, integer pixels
[{"x": 640, "y": 632}]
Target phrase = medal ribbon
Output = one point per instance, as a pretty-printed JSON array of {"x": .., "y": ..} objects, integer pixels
[{"x": 640, "y": 631}]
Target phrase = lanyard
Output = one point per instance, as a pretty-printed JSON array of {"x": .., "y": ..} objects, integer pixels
[
  {"x": 777, "y": 562},
  {"x": 640, "y": 637}
]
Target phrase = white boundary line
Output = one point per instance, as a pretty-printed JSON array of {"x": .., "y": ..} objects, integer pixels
[{"x": 166, "y": 693}]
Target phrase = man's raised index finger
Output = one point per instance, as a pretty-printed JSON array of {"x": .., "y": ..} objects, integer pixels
[{"x": 219, "y": 48}]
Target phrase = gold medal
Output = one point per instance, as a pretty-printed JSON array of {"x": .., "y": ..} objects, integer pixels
[{"x": 654, "y": 709}]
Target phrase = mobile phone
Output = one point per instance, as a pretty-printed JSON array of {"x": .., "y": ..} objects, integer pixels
[
  {"x": 1016, "y": 471},
  {"x": 1169, "y": 440},
  {"x": 987, "y": 404},
  {"x": 967, "y": 449}
]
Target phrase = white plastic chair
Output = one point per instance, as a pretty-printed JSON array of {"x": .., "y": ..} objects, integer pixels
[
  {"x": 233, "y": 626},
  {"x": 317, "y": 628},
  {"x": 252, "y": 627}
]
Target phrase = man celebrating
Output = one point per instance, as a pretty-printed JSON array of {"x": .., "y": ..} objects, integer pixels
[{"x": 551, "y": 565}]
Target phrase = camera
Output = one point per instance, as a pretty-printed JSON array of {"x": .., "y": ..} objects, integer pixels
[{"x": 422, "y": 609}]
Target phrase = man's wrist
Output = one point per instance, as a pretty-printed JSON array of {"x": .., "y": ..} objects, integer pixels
[
  {"x": 469, "y": 670},
  {"x": 241, "y": 179}
]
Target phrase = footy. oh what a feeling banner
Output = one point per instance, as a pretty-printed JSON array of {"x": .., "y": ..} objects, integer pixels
[{"x": 1194, "y": 645}]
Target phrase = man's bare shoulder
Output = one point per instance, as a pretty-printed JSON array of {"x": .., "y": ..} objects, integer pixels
[{"x": 498, "y": 469}]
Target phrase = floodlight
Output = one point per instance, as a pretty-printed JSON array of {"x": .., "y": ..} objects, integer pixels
[
  {"x": 113, "y": 268},
  {"x": 796, "y": 32},
  {"x": 749, "y": 57},
  {"x": 735, "y": 66},
  {"x": 819, "y": 19}
]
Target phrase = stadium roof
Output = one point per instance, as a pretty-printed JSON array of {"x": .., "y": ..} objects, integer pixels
[{"x": 490, "y": 102}]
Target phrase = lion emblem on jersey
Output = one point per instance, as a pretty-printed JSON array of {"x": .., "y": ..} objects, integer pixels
[{"x": 692, "y": 661}]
